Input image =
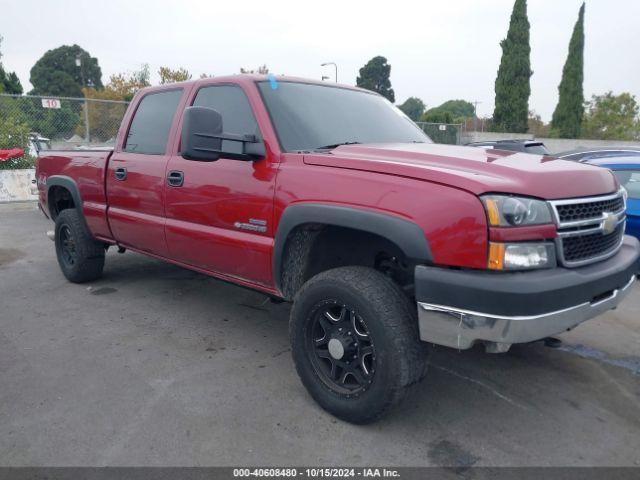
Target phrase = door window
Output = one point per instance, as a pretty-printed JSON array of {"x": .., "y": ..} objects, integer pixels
[
  {"x": 149, "y": 130},
  {"x": 233, "y": 105}
]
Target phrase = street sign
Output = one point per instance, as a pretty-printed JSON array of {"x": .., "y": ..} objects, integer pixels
[
  {"x": 50, "y": 103},
  {"x": 443, "y": 128}
]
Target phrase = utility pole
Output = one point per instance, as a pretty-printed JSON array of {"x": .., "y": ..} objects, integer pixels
[
  {"x": 334, "y": 65},
  {"x": 86, "y": 103},
  {"x": 475, "y": 115}
]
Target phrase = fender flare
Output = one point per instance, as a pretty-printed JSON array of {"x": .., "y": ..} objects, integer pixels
[
  {"x": 408, "y": 236},
  {"x": 69, "y": 184}
]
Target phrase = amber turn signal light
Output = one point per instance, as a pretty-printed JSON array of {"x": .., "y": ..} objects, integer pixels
[{"x": 496, "y": 256}]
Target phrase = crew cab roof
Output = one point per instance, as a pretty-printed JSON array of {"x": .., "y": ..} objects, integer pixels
[{"x": 245, "y": 78}]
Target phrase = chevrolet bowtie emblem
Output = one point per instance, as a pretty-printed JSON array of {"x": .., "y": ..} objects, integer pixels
[{"x": 609, "y": 223}]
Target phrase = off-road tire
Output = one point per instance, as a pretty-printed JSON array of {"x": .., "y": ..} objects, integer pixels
[
  {"x": 86, "y": 262},
  {"x": 391, "y": 322}
]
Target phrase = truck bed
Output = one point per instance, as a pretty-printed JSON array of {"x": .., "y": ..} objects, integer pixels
[{"x": 86, "y": 168}]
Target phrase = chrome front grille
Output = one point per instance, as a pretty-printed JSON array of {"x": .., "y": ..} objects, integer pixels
[
  {"x": 589, "y": 229},
  {"x": 581, "y": 247},
  {"x": 572, "y": 212}
]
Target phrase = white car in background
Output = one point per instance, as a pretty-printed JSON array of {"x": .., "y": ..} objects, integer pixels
[{"x": 38, "y": 143}]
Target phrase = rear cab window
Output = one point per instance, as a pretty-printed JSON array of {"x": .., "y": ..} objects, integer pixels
[{"x": 151, "y": 124}]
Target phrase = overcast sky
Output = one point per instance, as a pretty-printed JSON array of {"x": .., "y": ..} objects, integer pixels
[{"x": 438, "y": 50}]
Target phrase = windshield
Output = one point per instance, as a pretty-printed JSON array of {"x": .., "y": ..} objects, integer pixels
[
  {"x": 630, "y": 180},
  {"x": 310, "y": 117}
]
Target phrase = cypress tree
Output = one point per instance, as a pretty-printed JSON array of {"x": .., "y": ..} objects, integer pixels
[
  {"x": 375, "y": 76},
  {"x": 512, "y": 83},
  {"x": 567, "y": 117}
]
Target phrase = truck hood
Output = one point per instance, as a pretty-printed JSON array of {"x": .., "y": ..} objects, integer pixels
[{"x": 473, "y": 169}]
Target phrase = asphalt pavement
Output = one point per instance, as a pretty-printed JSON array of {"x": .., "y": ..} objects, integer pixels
[{"x": 157, "y": 365}]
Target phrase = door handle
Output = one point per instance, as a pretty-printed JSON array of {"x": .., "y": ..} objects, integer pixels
[
  {"x": 175, "y": 178},
  {"x": 120, "y": 173}
]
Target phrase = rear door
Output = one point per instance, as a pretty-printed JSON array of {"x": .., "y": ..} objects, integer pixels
[
  {"x": 136, "y": 174},
  {"x": 219, "y": 217}
]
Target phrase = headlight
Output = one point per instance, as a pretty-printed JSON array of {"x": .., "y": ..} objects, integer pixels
[
  {"x": 506, "y": 211},
  {"x": 521, "y": 256}
]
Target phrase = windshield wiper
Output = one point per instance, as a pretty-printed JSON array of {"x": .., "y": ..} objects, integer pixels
[{"x": 334, "y": 145}]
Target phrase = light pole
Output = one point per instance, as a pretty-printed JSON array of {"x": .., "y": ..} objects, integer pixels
[
  {"x": 334, "y": 65},
  {"x": 86, "y": 104},
  {"x": 475, "y": 115}
]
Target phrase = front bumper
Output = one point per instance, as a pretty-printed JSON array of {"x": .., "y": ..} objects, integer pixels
[{"x": 458, "y": 308}]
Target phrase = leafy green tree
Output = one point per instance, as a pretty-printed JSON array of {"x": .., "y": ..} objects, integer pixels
[
  {"x": 168, "y": 75},
  {"x": 261, "y": 70},
  {"x": 513, "y": 81},
  {"x": 437, "y": 116},
  {"x": 125, "y": 85},
  {"x": 536, "y": 126},
  {"x": 413, "y": 107},
  {"x": 612, "y": 117},
  {"x": 14, "y": 133},
  {"x": 56, "y": 72},
  {"x": 458, "y": 111},
  {"x": 375, "y": 75},
  {"x": 50, "y": 122},
  {"x": 9, "y": 82},
  {"x": 104, "y": 117},
  {"x": 567, "y": 117}
]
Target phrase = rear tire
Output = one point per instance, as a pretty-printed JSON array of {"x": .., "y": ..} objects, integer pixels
[
  {"x": 355, "y": 342},
  {"x": 81, "y": 258}
]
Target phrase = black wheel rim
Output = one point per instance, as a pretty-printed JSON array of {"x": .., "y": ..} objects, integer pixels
[
  {"x": 341, "y": 349},
  {"x": 67, "y": 246}
]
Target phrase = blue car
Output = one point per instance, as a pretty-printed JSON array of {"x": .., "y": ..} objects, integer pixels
[{"x": 627, "y": 170}]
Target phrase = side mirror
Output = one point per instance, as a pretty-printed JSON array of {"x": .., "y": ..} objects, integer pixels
[
  {"x": 200, "y": 130},
  {"x": 203, "y": 138}
]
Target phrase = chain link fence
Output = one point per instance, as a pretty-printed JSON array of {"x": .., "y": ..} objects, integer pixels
[
  {"x": 449, "y": 133},
  {"x": 35, "y": 123}
]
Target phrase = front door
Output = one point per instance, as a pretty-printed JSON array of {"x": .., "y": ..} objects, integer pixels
[
  {"x": 219, "y": 214},
  {"x": 136, "y": 175}
]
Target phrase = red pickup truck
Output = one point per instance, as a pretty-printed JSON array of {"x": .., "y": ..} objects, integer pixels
[{"x": 329, "y": 197}]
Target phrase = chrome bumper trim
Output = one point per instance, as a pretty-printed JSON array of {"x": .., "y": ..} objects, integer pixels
[{"x": 461, "y": 329}]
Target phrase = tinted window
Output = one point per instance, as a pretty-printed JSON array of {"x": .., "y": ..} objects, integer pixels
[
  {"x": 149, "y": 130},
  {"x": 512, "y": 147},
  {"x": 630, "y": 180},
  {"x": 232, "y": 104},
  {"x": 308, "y": 117},
  {"x": 537, "y": 149}
]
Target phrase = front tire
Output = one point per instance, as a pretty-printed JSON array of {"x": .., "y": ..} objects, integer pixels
[
  {"x": 355, "y": 342},
  {"x": 81, "y": 258}
]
